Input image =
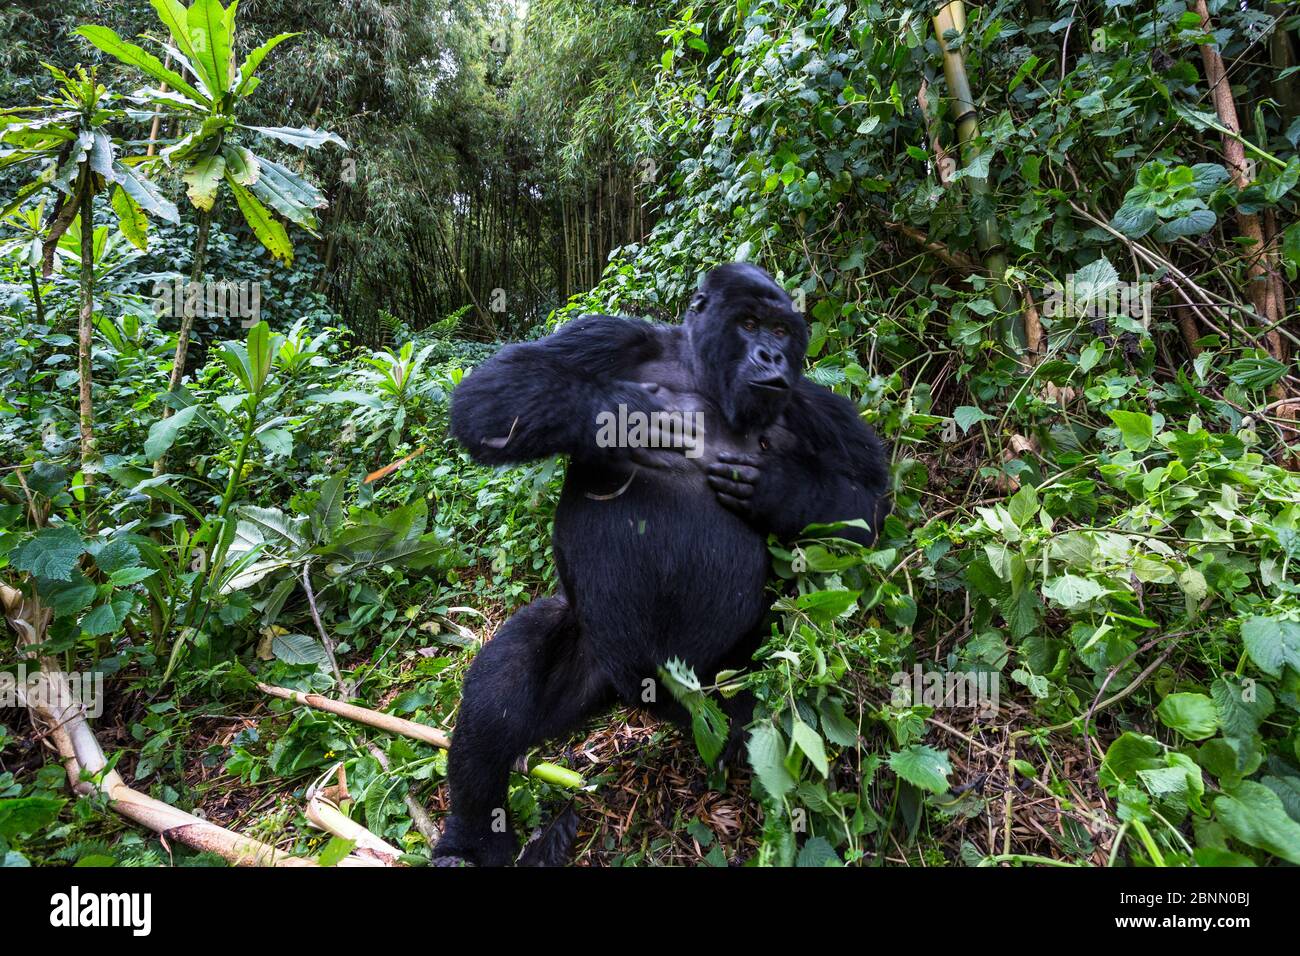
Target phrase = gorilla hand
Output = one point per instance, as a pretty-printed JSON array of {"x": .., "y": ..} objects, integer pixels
[{"x": 735, "y": 479}]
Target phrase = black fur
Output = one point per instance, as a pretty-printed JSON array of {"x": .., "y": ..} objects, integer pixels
[{"x": 660, "y": 554}]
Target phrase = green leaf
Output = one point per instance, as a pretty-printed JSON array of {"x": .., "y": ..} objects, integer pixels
[
  {"x": 163, "y": 433},
  {"x": 967, "y": 415},
  {"x": 810, "y": 742},
  {"x": 1271, "y": 643},
  {"x": 766, "y": 752},
  {"x": 205, "y": 21},
  {"x": 255, "y": 58},
  {"x": 145, "y": 193},
  {"x": 115, "y": 555},
  {"x": 302, "y": 137},
  {"x": 132, "y": 55},
  {"x": 126, "y": 576},
  {"x": 270, "y": 233},
  {"x": 28, "y": 815},
  {"x": 108, "y": 617},
  {"x": 818, "y": 852},
  {"x": 51, "y": 553},
  {"x": 923, "y": 767},
  {"x": 335, "y": 851},
  {"x": 1071, "y": 590},
  {"x": 290, "y": 196},
  {"x": 66, "y": 598},
  {"x": 1192, "y": 715},
  {"x": 299, "y": 649},
  {"x": 1254, "y": 814},
  {"x": 1135, "y": 428},
  {"x": 203, "y": 176},
  {"x": 130, "y": 218}
]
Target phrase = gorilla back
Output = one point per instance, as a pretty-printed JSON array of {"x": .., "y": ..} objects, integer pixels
[{"x": 661, "y": 551}]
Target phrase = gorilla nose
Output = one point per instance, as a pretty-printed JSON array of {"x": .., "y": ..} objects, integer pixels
[{"x": 771, "y": 358}]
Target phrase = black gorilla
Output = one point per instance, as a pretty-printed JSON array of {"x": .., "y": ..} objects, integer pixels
[{"x": 661, "y": 553}]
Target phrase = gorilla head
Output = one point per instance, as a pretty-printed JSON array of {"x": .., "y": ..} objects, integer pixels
[{"x": 747, "y": 343}]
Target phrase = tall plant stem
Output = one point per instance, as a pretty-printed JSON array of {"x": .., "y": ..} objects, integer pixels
[
  {"x": 187, "y": 321},
  {"x": 85, "y": 333},
  {"x": 952, "y": 16}
]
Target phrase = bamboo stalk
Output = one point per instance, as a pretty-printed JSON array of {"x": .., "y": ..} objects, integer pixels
[
  {"x": 549, "y": 772},
  {"x": 362, "y": 715},
  {"x": 952, "y": 16}
]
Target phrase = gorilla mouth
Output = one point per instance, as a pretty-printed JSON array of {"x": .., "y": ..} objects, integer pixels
[{"x": 775, "y": 384}]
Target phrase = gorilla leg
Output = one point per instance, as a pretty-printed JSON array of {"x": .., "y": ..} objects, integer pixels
[{"x": 530, "y": 682}]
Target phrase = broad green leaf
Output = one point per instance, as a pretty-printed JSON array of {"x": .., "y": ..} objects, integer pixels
[
  {"x": 21, "y": 816},
  {"x": 302, "y": 137},
  {"x": 51, "y": 553},
  {"x": 270, "y": 233},
  {"x": 131, "y": 218},
  {"x": 967, "y": 415},
  {"x": 145, "y": 193},
  {"x": 1135, "y": 428},
  {"x": 66, "y": 598},
  {"x": 210, "y": 41},
  {"x": 1192, "y": 715},
  {"x": 107, "y": 618},
  {"x": 1072, "y": 590},
  {"x": 818, "y": 852},
  {"x": 766, "y": 752},
  {"x": 1254, "y": 814},
  {"x": 810, "y": 742},
  {"x": 162, "y": 433},
  {"x": 289, "y": 195},
  {"x": 299, "y": 649},
  {"x": 923, "y": 767},
  {"x": 202, "y": 179},
  {"x": 132, "y": 55},
  {"x": 1271, "y": 643}
]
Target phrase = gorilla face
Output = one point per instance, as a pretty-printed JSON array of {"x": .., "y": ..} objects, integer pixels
[{"x": 747, "y": 343}]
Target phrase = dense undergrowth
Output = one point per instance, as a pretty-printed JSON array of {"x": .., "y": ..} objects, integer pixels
[{"x": 1095, "y": 515}]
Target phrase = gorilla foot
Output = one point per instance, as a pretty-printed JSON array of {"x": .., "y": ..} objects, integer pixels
[{"x": 464, "y": 844}]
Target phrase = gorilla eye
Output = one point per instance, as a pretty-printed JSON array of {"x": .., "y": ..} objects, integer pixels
[
  {"x": 780, "y": 331},
  {"x": 749, "y": 325}
]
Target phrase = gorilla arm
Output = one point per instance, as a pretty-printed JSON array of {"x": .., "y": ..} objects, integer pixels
[
  {"x": 536, "y": 399},
  {"x": 834, "y": 469}
]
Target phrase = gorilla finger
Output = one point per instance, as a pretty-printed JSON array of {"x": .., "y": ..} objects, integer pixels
[
  {"x": 732, "y": 488},
  {"x": 744, "y": 473},
  {"x": 737, "y": 458}
]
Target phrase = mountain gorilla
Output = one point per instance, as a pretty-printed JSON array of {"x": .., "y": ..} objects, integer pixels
[{"x": 661, "y": 552}]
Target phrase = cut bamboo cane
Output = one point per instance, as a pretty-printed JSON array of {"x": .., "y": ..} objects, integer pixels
[
  {"x": 548, "y": 772},
  {"x": 324, "y": 814},
  {"x": 362, "y": 715}
]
